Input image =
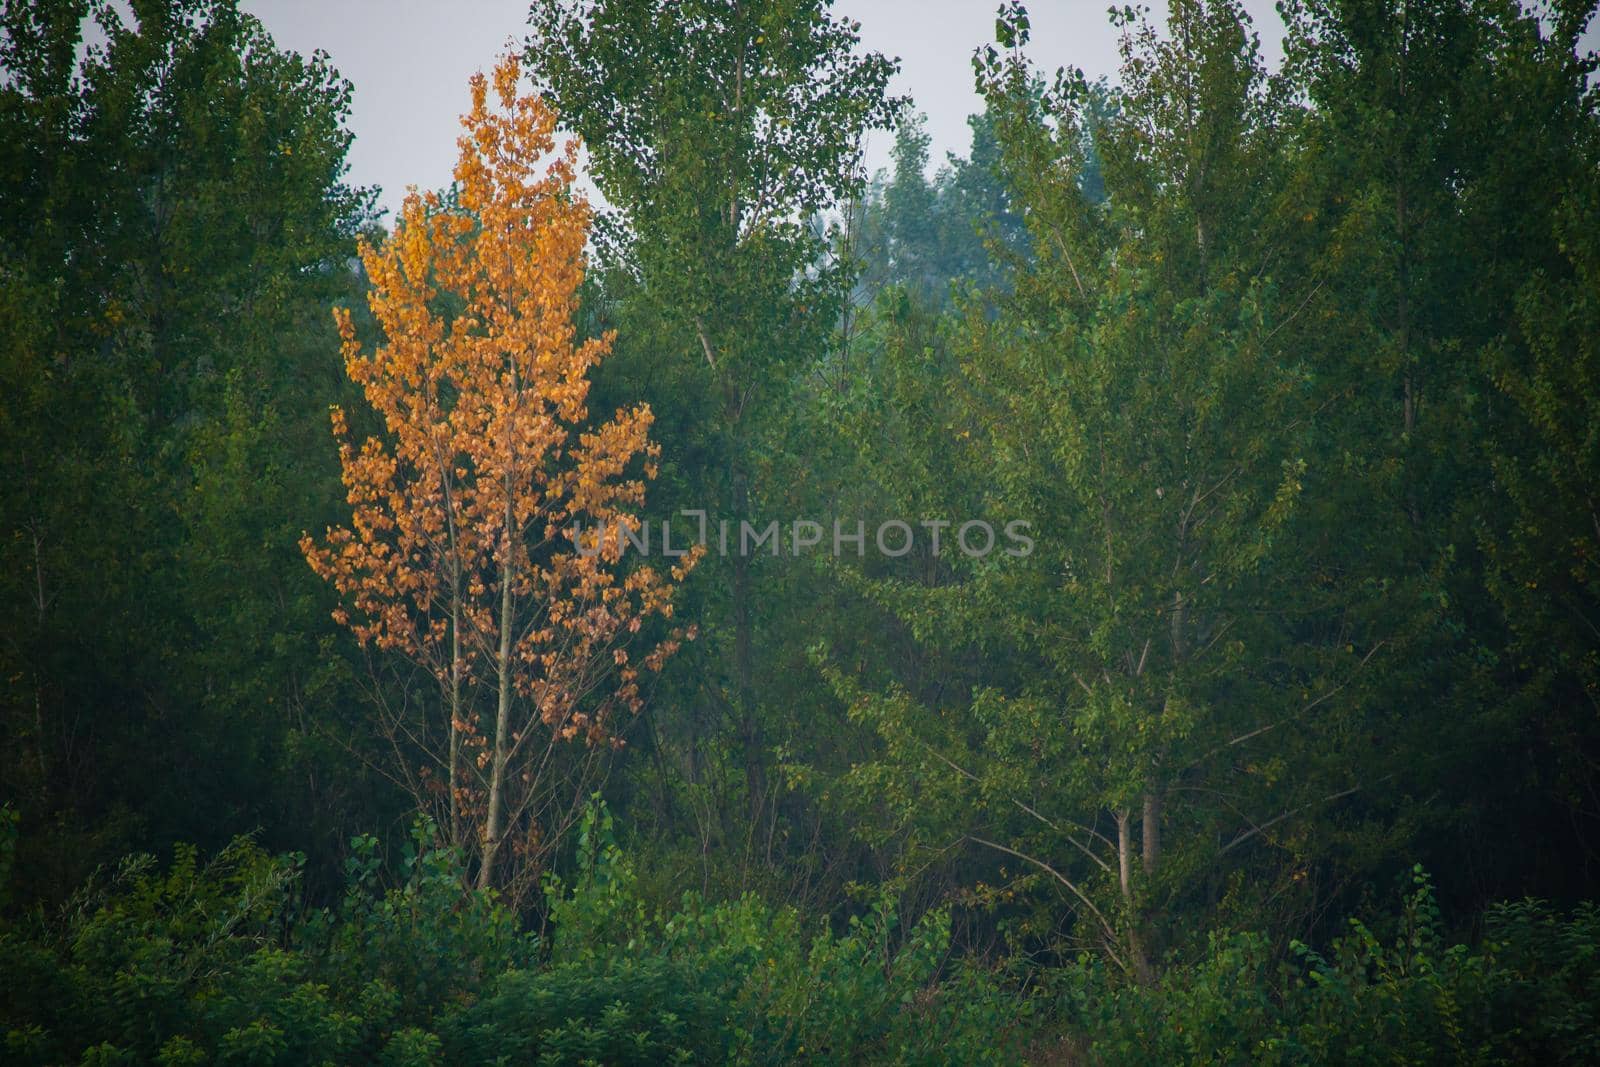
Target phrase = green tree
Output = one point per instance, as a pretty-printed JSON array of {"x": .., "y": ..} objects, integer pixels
[
  {"x": 927, "y": 234},
  {"x": 720, "y": 132},
  {"x": 1146, "y": 717},
  {"x": 1433, "y": 252},
  {"x": 176, "y": 225}
]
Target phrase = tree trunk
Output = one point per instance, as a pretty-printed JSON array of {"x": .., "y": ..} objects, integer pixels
[
  {"x": 454, "y": 771},
  {"x": 743, "y": 661},
  {"x": 1143, "y": 973},
  {"x": 502, "y": 721},
  {"x": 1152, "y": 832}
]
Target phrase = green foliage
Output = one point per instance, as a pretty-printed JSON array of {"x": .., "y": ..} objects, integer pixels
[
  {"x": 1290, "y": 372},
  {"x": 618, "y": 1011},
  {"x": 208, "y": 963},
  {"x": 1525, "y": 994},
  {"x": 214, "y": 962},
  {"x": 174, "y": 228},
  {"x": 205, "y": 963},
  {"x": 1262, "y": 416},
  {"x": 929, "y": 236},
  {"x": 758, "y": 984},
  {"x": 421, "y": 943},
  {"x": 125, "y": 965},
  {"x": 725, "y": 137},
  {"x": 1134, "y": 402}
]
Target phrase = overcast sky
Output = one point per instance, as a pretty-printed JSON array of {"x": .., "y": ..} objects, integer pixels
[{"x": 410, "y": 59}]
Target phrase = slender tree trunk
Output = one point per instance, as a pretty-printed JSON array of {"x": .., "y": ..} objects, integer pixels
[
  {"x": 502, "y": 719},
  {"x": 743, "y": 656},
  {"x": 1152, "y": 832},
  {"x": 1154, "y": 795},
  {"x": 1154, "y": 791},
  {"x": 455, "y": 712},
  {"x": 456, "y": 723},
  {"x": 1125, "y": 857},
  {"x": 1142, "y": 971},
  {"x": 743, "y": 620}
]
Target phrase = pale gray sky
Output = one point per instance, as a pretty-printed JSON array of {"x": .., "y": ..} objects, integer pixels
[{"x": 410, "y": 59}]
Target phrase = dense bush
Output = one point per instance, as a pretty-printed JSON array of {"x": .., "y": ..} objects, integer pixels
[
  {"x": 757, "y": 984},
  {"x": 1527, "y": 993},
  {"x": 213, "y": 962}
]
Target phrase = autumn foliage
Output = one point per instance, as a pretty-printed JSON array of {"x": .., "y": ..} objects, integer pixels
[{"x": 459, "y": 553}]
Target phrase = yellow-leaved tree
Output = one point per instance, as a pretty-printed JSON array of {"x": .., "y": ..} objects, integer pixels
[{"x": 462, "y": 552}]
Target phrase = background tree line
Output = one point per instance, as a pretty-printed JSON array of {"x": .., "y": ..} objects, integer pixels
[{"x": 1290, "y": 369}]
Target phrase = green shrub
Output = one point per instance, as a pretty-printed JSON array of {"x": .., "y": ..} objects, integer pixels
[
  {"x": 786, "y": 991},
  {"x": 211, "y": 963},
  {"x": 415, "y": 947},
  {"x": 648, "y": 1010},
  {"x": 1528, "y": 994}
]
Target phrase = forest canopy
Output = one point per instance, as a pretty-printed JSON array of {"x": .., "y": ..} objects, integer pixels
[{"x": 1126, "y": 593}]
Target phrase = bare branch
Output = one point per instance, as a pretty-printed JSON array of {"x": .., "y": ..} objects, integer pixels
[{"x": 1110, "y": 930}]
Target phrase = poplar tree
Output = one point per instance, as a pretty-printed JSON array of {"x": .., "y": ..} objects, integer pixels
[{"x": 479, "y": 545}]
